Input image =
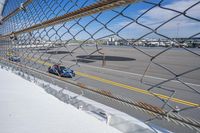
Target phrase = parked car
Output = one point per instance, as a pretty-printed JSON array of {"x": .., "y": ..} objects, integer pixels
[
  {"x": 14, "y": 58},
  {"x": 61, "y": 71}
]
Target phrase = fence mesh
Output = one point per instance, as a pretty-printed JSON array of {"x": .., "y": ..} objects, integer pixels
[{"x": 142, "y": 53}]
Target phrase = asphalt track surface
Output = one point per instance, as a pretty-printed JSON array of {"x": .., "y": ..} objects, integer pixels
[{"x": 123, "y": 71}]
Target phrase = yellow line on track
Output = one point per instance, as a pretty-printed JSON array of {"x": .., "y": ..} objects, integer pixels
[
  {"x": 122, "y": 85},
  {"x": 135, "y": 89}
]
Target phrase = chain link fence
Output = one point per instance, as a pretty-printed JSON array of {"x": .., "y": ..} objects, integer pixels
[{"x": 144, "y": 54}]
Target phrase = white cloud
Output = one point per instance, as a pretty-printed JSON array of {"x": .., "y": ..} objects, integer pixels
[
  {"x": 157, "y": 16},
  {"x": 181, "y": 5}
]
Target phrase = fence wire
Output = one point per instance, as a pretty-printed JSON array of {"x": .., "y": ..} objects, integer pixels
[{"x": 141, "y": 53}]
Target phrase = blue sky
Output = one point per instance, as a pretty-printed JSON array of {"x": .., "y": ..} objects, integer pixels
[{"x": 39, "y": 11}]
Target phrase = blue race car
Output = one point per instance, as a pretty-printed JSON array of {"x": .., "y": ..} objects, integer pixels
[
  {"x": 14, "y": 58},
  {"x": 61, "y": 71}
]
